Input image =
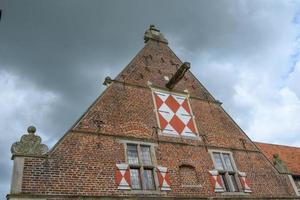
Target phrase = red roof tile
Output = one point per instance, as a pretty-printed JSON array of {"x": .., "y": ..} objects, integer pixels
[{"x": 289, "y": 155}]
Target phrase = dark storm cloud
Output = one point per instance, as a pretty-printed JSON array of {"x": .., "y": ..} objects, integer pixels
[
  {"x": 64, "y": 46},
  {"x": 57, "y": 53},
  {"x": 72, "y": 41}
]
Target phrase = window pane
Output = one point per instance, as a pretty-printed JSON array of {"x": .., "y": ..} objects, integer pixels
[
  {"x": 218, "y": 161},
  {"x": 135, "y": 179},
  {"x": 227, "y": 161},
  {"x": 148, "y": 179},
  {"x": 233, "y": 183},
  {"x": 132, "y": 154},
  {"x": 224, "y": 182},
  {"x": 297, "y": 182},
  {"x": 145, "y": 155}
]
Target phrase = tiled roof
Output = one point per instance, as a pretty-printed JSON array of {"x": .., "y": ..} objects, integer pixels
[{"x": 289, "y": 155}]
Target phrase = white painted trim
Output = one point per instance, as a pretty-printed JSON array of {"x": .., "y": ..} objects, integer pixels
[
  {"x": 294, "y": 185},
  {"x": 17, "y": 175},
  {"x": 136, "y": 142}
]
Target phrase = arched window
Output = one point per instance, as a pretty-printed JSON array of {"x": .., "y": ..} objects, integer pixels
[{"x": 188, "y": 175}]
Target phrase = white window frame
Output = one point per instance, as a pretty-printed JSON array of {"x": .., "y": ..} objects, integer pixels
[
  {"x": 227, "y": 177},
  {"x": 295, "y": 187},
  {"x": 141, "y": 166}
]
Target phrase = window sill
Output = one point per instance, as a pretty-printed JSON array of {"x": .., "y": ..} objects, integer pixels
[
  {"x": 142, "y": 192},
  {"x": 196, "y": 137},
  {"x": 234, "y": 193},
  {"x": 192, "y": 186}
]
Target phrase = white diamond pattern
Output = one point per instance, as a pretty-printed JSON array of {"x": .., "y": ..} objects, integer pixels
[{"x": 175, "y": 118}]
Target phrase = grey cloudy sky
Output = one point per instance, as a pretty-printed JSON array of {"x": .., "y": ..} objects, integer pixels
[{"x": 55, "y": 54}]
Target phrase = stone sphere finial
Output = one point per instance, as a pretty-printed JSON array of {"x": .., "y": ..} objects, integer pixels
[{"x": 31, "y": 129}]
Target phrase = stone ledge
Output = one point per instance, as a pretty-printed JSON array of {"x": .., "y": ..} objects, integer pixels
[{"x": 57, "y": 197}]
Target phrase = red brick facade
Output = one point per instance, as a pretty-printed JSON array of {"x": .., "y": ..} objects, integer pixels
[{"x": 83, "y": 163}]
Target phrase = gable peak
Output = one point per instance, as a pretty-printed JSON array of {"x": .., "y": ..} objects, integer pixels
[{"x": 152, "y": 33}]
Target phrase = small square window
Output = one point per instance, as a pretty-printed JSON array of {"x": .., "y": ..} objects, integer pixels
[
  {"x": 227, "y": 162},
  {"x": 224, "y": 182},
  {"x": 146, "y": 155},
  {"x": 132, "y": 154},
  {"x": 218, "y": 161},
  {"x": 234, "y": 185},
  {"x": 149, "y": 180}
]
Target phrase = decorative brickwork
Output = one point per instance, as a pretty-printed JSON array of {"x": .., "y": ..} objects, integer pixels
[
  {"x": 174, "y": 114},
  {"x": 188, "y": 176}
]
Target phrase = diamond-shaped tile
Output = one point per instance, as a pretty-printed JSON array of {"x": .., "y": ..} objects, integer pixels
[
  {"x": 183, "y": 115},
  {"x": 191, "y": 126},
  {"x": 163, "y": 122},
  {"x": 185, "y": 105},
  {"x": 172, "y": 103},
  {"x": 169, "y": 130},
  {"x": 162, "y": 96},
  {"x": 158, "y": 101},
  {"x": 166, "y": 112},
  {"x": 177, "y": 124},
  {"x": 179, "y": 99}
]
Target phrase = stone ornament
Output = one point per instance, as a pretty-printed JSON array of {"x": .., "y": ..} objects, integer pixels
[
  {"x": 279, "y": 164},
  {"x": 154, "y": 34},
  {"x": 30, "y": 144}
]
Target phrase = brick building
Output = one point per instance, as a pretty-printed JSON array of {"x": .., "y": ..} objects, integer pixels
[{"x": 155, "y": 132}]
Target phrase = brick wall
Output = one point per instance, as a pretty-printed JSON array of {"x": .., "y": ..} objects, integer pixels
[{"x": 83, "y": 162}]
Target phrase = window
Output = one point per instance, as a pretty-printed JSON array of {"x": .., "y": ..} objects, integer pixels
[
  {"x": 224, "y": 164},
  {"x": 141, "y": 167},
  {"x": 297, "y": 182}
]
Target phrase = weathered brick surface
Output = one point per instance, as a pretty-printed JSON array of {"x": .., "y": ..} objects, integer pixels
[
  {"x": 83, "y": 162},
  {"x": 263, "y": 178},
  {"x": 155, "y": 61}
]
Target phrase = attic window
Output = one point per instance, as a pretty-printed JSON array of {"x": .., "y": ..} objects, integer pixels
[{"x": 174, "y": 114}]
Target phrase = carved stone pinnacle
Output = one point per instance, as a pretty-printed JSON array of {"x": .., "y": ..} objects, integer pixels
[{"x": 30, "y": 144}]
